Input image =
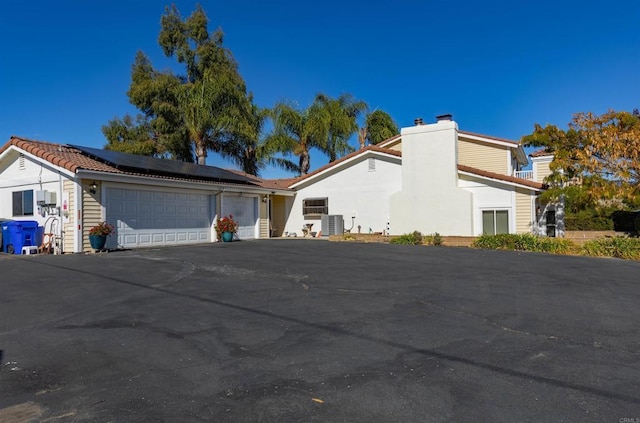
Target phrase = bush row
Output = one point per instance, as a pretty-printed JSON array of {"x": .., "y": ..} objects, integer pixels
[
  {"x": 620, "y": 247},
  {"x": 416, "y": 238}
]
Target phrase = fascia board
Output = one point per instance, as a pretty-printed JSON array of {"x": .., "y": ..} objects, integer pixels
[
  {"x": 143, "y": 180},
  {"x": 500, "y": 181}
]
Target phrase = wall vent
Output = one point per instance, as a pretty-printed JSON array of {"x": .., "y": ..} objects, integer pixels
[
  {"x": 332, "y": 224},
  {"x": 21, "y": 162},
  {"x": 372, "y": 164}
]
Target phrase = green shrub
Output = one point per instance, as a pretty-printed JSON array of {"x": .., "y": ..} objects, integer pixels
[
  {"x": 414, "y": 238},
  {"x": 524, "y": 242},
  {"x": 619, "y": 247},
  {"x": 588, "y": 223},
  {"x": 435, "y": 239}
]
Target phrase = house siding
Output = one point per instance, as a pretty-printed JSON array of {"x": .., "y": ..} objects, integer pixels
[
  {"x": 542, "y": 171},
  {"x": 278, "y": 218},
  {"x": 492, "y": 158},
  {"x": 396, "y": 147},
  {"x": 91, "y": 212},
  {"x": 69, "y": 227},
  {"x": 523, "y": 211},
  {"x": 264, "y": 219}
]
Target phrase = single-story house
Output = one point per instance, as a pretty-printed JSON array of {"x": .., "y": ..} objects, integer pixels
[
  {"x": 151, "y": 202},
  {"x": 431, "y": 178}
]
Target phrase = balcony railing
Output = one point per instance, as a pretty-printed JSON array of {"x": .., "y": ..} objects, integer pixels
[{"x": 524, "y": 174}]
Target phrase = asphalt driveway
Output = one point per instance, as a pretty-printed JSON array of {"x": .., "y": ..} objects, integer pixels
[{"x": 301, "y": 331}]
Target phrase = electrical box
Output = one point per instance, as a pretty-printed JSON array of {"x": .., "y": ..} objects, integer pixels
[{"x": 46, "y": 198}]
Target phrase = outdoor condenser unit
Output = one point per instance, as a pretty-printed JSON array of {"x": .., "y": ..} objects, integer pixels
[{"x": 332, "y": 224}]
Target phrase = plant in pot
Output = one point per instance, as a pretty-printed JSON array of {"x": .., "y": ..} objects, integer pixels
[
  {"x": 225, "y": 228},
  {"x": 98, "y": 235}
]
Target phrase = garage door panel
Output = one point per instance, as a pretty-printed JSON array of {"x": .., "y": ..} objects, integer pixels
[
  {"x": 243, "y": 210},
  {"x": 147, "y": 217}
]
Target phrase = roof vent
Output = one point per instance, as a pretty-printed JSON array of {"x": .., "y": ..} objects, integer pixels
[
  {"x": 443, "y": 118},
  {"x": 418, "y": 121}
]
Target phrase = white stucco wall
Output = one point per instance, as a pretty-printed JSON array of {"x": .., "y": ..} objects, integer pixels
[
  {"x": 430, "y": 200},
  {"x": 490, "y": 196},
  {"x": 31, "y": 175},
  {"x": 352, "y": 190}
]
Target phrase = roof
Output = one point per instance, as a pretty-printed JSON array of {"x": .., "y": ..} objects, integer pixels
[
  {"x": 369, "y": 148},
  {"x": 500, "y": 177},
  {"x": 541, "y": 153},
  {"x": 74, "y": 159},
  {"x": 473, "y": 134}
]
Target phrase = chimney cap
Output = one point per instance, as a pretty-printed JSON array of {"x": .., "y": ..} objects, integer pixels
[
  {"x": 418, "y": 121},
  {"x": 445, "y": 117}
]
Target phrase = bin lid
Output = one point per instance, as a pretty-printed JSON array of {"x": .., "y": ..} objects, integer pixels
[{"x": 21, "y": 223}]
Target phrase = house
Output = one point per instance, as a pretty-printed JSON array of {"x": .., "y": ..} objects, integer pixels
[
  {"x": 151, "y": 202},
  {"x": 431, "y": 178}
]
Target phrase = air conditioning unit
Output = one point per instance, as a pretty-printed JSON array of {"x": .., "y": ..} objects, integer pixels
[{"x": 332, "y": 224}]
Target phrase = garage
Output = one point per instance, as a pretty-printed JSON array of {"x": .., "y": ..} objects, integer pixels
[
  {"x": 146, "y": 217},
  {"x": 244, "y": 211}
]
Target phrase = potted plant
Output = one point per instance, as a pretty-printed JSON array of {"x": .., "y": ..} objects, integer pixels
[
  {"x": 226, "y": 227},
  {"x": 98, "y": 235}
]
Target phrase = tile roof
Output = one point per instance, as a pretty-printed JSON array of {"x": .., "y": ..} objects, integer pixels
[
  {"x": 541, "y": 152},
  {"x": 60, "y": 155},
  {"x": 72, "y": 159},
  {"x": 500, "y": 177}
]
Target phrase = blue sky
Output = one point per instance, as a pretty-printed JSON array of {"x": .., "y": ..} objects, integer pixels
[{"x": 497, "y": 66}]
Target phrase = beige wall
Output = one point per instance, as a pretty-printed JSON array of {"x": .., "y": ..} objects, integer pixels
[
  {"x": 91, "y": 211},
  {"x": 523, "y": 211},
  {"x": 70, "y": 227},
  {"x": 397, "y": 146},
  {"x": 489, "y": 157},
  {"x": 278, "y": 215},
  {"x": 264, "y": 219},
  {"x": 541, "y": 170}
]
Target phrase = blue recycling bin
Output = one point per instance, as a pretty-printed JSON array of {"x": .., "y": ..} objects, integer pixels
[{"x": 18, "y": 234}]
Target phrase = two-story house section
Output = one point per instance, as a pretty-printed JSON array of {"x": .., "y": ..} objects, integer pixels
[{"x": 430, "y": 177}]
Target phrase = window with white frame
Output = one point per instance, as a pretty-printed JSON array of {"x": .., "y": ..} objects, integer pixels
[
  {"x": 23, "y": 203},
  {"x": 315, "y": 206},
  {"x": 495, "y": 222}
]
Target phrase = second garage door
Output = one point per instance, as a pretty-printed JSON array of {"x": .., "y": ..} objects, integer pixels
[
  {"x": 244, "y": 211},
  {"x": 146, "y": 218}
]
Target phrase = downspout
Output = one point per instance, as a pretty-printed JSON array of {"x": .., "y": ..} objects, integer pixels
[{"x": 60, "y": 218}]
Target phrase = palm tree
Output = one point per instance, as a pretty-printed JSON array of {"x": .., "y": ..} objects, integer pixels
[
  {"x": 378, "y": 127},
  {"x": 250, "y": 149},
  {"x": 298, "y": 131},
  {"x": 343, "y": 114}
]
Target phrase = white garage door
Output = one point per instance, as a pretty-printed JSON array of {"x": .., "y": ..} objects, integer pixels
[
  {"x": 244, "y": 211},
  {"x": 146, "y": 218}
]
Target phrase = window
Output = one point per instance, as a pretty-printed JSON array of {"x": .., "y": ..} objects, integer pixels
[
  {"x": 495, "y": 222},
  {"x": 315, "y": 206},
  {"x": 23, "y": 203}
]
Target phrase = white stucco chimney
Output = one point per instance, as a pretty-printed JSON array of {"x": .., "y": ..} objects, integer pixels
[{"x": 430, "y": 182}]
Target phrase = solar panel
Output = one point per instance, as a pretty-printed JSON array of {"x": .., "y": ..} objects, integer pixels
[{"x": 163, "y": 167}]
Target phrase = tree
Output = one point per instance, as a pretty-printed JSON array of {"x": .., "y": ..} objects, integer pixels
[
  {"x": 206, "y": 105},
  {"x": 250, "y": 148},
  {"x": 602, "y": 151},
  {"x": 343, "y": 113},
  {"x": 378, "y": 127},
  {"x": 298, "y": 131},
  {"x": 131, "y": 136}
]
